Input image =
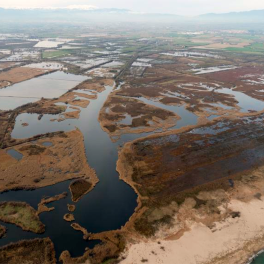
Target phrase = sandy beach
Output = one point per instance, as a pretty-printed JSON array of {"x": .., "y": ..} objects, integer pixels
[
  {"x": 203, "y": 236},
  {"x": 232, "y": 241}
]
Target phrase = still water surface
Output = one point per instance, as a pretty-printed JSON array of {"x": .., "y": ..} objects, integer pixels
[{"x": 48, "y": 86}]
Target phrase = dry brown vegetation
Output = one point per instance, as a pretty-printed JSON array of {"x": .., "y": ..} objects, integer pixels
[
  {"x": 2, "y": 231},
  {"x": 247, "y": 79},
  {"x": 20, "y": 74},
  {"x": 42, "y": 166},
  {"x": 113, "y": 243},
  {"x": 42, "y": 206},
  {"x": 168, "y": 169},
  {"x": 95, "y": 86},
  {"x": 6, "y": 65},
  {"x": 77, "y": 227},
  {"x": 71, "y": 207},
  {"x": 142, "y": 115},
  {"x": 36, "y": 251},
  {"x": 69, "y": 217},
  {"x": 79, "y": 188}
]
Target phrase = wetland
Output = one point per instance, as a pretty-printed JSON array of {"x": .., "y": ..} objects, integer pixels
[{"x": 127, "y": 145}]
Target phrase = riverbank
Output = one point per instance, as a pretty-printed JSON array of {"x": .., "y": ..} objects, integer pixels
[{"x": 192, "y": 209}]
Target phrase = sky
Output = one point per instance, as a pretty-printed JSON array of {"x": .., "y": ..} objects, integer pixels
[{"x": 180, "y": 7}]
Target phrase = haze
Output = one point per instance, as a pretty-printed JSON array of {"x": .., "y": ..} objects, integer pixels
[{"x": 181, "y": 7}]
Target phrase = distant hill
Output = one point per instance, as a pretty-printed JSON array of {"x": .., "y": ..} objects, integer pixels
[
  {"x": 246, "y": 16},
  {"x": 93, "y": 14},
  {"x": 79, "y": 15}
]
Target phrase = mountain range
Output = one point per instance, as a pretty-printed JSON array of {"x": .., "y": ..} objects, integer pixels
[{"x": 91, "y": 13}]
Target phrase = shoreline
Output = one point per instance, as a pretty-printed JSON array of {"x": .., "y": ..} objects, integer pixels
[
  {"x": 243, "y": 199},
  {"x": 225, "y": 245},
  {"x": 251, "y": 259}
]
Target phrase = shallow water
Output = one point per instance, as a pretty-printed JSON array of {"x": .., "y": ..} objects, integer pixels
[
  {"x": 211, "y": 117},
  {"x": 213, "y": 69},
  {"x": 36, "y": 127},
  {"x": 15, "y": 154},
  {"x": 187, "y": 117},
  {"x": 10, "y": 103},
  {"x": 51, "y": 85},
  {"x": 245, "y": 102},
  {"x": 127, "y": 120},
  {"x": 45, "y": 65},
  {"x": 47, "y": 144}
]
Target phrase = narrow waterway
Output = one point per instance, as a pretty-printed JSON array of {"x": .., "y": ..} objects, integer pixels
[{"x": 107, "y": 207}]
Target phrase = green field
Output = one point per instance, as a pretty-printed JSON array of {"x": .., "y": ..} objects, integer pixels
[
  {"x": 56, "y": 53},
  {"x": 253, "y": 48}
]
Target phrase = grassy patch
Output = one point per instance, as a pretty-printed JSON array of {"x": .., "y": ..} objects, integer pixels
[
  {"x": 56, "y": 53},
  {"x": 109, "y": 261},
  {"x": 21, "y": 214},
  {"x": 254, "y": 48},
  {"x": 147, "y": 225},
  {"x": 130, "y": 49},
  {"x": 188, "y": 42}
]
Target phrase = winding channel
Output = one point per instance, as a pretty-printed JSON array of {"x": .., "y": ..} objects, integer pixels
[{"x": 107, "y": 207}]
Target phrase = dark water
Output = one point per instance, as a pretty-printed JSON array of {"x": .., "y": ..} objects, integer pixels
[
  {"x": 258, "y": 259},
  {"x": 107, "y": 207},
  {"x": 60, "y": 231}
]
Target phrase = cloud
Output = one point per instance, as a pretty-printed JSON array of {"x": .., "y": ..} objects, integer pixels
[
  {"x": 181, "y": 7},
  {"x": 83, "y": 7},
  {"x": 71, "y": 7}
]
